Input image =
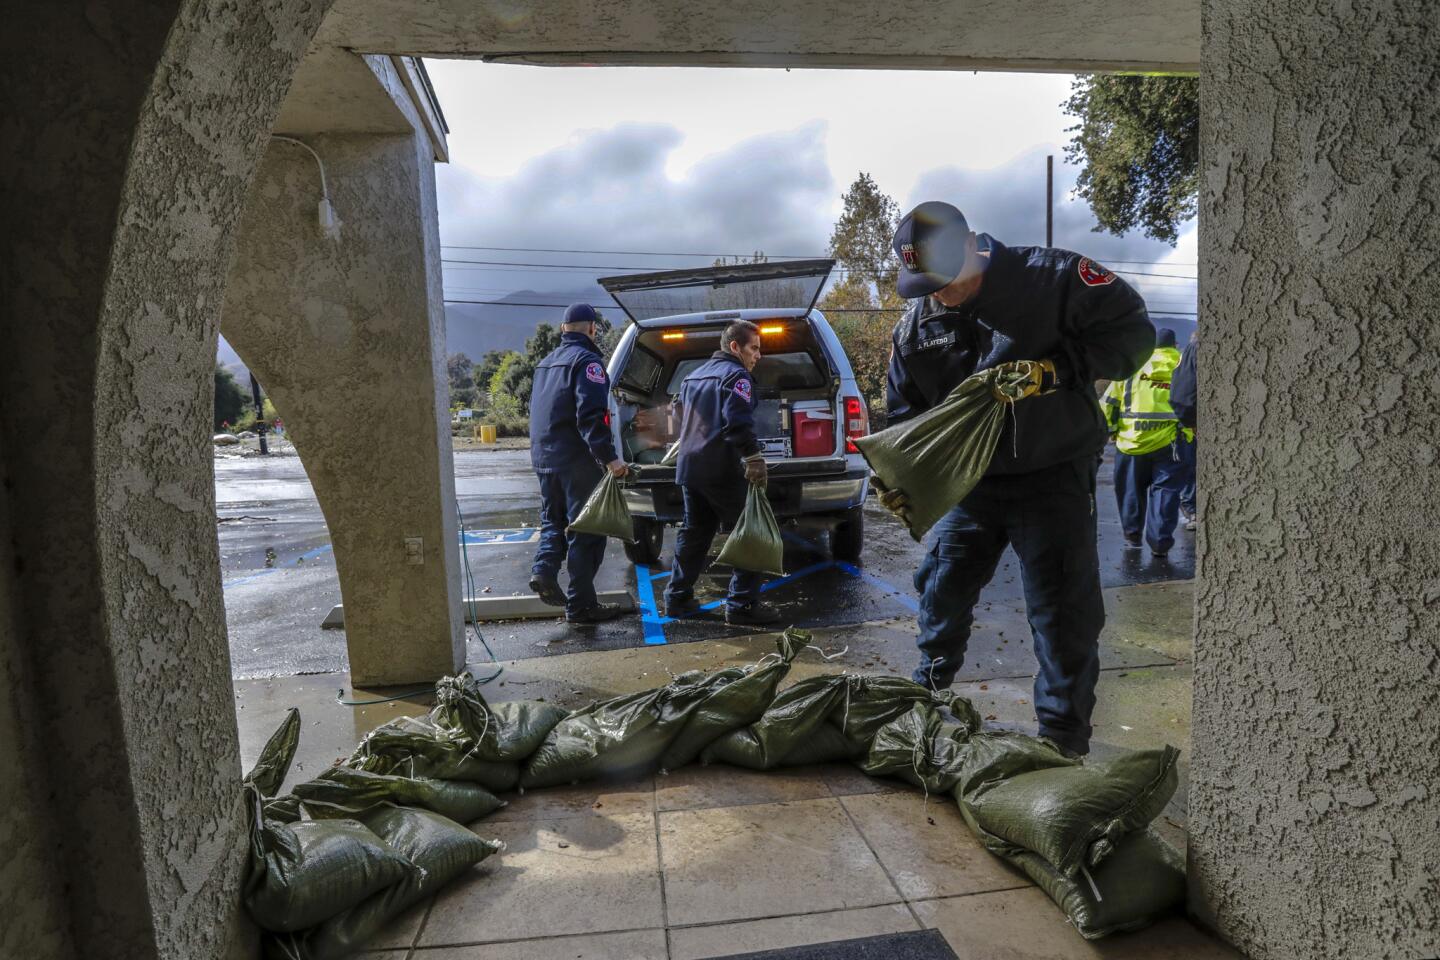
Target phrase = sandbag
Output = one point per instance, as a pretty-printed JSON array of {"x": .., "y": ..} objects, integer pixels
[
  {"x": 923, "y": 747},
  {"x": 439, "y": 850},
  {"x": 1143, "y": 879},
  {"x": 302, "y": 873},
  {"x": 507, "y": 732},
  {"x": 416, "y": 747},
  {"x": 994, "y": 756},
  {"x": 939, "y": 456},
  {"x": 631, "y": 735},
  {"x": 1074, "y": 816},
  {"x": 792, "y": 732},
  {"x": 359, "y": 790},
  {"x": 605, "y": 513},
  {"x": 755, "y": 543}
]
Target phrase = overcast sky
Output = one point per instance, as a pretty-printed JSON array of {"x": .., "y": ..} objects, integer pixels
[{"x": 709, "y": 161}]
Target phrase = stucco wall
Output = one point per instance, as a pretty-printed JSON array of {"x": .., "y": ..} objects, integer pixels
[
  {"x": 348, "y": 336},
  {"x": 1315, "y": 785},
  {"x": 130, "y": 141}
]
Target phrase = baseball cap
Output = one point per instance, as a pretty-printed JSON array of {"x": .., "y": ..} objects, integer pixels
[
  {"x": 580, "y": 313},
  {"x": 1164, "y": 337},
  {"x": 930, "y": 243}
]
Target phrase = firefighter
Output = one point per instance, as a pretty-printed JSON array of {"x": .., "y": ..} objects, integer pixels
[
  {"x": 719, "y": 456},
  {"x": 570, "y": 448},
  {"x": 1151, "y": 466},
  {"x": 977, "y": 305}
]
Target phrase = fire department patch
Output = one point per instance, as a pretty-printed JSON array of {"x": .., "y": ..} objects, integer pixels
[
  {"x": 912, "y": 261},
  {"x": 594, "y": 372},
  {"x": 742, "y": 389},
  {"x": 1094, "y": 275}
]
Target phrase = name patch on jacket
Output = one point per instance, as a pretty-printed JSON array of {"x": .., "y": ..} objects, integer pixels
[
  {"x": 742, "y": 388},
  {"x": 594, "y": 372},
  {"x": 1094, "y": 275},
  {"x": 930, "y": 343}
]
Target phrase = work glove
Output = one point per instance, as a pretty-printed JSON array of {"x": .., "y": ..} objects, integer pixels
[
  {"x": 1039, "y": 378},
  {"x": 617, "y": 468},
  {"x": 755, "y": 470},
  {"x": 893, "y": 500}
]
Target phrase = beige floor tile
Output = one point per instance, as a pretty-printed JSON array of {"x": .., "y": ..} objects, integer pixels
[
  {"x": 576, "y": 875},
  {"x": 1025, "y": 925},
  {"x": 630, "y": 945},
  {"x": 846, "y": 780},
  {"x": 581, "y": 800},
  {"x": 766, "y": 860},
  {"x": 400, "y": 932},
  {"x": 695, "y": 788},
  {"x": 926, "y": 847},
  {"x": 777, "y": 933}
]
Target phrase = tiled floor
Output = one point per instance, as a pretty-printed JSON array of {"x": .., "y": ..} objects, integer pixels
[{"x": 713, "y": 861}]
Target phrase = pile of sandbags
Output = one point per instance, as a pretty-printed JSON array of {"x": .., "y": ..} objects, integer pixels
[{"x": 344, "y": 853}]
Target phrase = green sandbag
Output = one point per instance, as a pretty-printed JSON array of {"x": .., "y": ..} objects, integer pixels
[
  {"x": 358, "y": 790},
  {"x": 439, "y": 849},
  {"x": 303, "y": 873},
  {"x": 606, "y": 512},
  {"x": 416, "y": 747},
  {"x": 630, "y": 735},
  {"x": 939, "y": 456},
  {"x": 503, "y": 732},
  {"x": 871, "y": 702},
  {"x": 734, "y": 705},
  {"x": 755, "y": 542},
  {"x": 1074, "y": 816},
  {"x": 792, "y": 732},
  {"x": 994, "y": 756},
  {"x": 922, "y": 747},
  {"x": 1143, "y": 880}
]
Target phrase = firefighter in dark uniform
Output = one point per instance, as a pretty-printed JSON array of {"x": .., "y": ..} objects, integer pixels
[
  {"x": 979, "y": 304},
  {"x": 719, "y": 456},
  {"x": 570, "y": 448}
]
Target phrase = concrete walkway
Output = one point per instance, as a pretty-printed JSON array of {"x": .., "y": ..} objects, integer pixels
[{"x": 713, "y": 861}]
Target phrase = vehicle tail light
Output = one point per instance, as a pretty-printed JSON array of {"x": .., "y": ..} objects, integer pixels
[{"x": 857, "y": 422}]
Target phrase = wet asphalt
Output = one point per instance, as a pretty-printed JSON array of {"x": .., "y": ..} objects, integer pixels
[{"x": 280, "y": 581}]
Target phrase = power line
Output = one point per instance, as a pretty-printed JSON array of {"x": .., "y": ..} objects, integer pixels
[{"x": 562, "y": 306}]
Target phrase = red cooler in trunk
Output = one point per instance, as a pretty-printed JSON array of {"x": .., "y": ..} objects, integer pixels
[{"x": 812, "y": 429}]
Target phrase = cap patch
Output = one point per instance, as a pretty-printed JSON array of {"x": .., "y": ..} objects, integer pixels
[
  {"x": 742, "y": 388},
  {"x": 1094, "y": 275},
  {"x": 594, "y": 372},
  {"x": 912, "y": 260}
]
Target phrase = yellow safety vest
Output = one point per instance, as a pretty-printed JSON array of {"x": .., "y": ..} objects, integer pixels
[{"x": 1138, "y": 410}]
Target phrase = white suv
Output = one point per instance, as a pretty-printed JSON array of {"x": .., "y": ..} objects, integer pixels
[{"x": 808, "y": 408}]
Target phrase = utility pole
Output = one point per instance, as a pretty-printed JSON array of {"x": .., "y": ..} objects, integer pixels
[
  {"x": 1050, "y": 200},
  {"x": 260, "y": 423}
]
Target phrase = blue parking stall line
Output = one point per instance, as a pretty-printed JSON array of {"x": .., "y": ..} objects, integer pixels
[
  {"x": 904, "y": 599},
  {"x": 802, "y": 572},
  {"x": 651, "y": 620}
]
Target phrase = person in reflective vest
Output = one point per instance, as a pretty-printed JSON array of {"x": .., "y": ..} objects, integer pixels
[{"x": 1150, "y": 471}]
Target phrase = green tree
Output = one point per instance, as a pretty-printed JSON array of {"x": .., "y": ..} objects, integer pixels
[
  {"x": 1138, "y": 146},
  {"x": 485, "y": 372},
  {"x": 230, "y": 398},
  {"x": 460, "y": 370},
  {"x": 864, "y": 306}
]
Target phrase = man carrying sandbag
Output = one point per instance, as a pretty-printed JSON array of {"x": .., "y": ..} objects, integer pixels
[
  {"x": 719, "y": 455},
  {"x": 1065, "y": 321},
  {"x": 569, "y": 440}
]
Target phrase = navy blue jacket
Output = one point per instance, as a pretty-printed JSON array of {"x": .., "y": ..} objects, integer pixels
[
  {"x": 568, "y": 407},
  {"x": 1182, "y": 386},
  {"x": 1034, "y": 303},
  {"x": 717, "y": 425}
]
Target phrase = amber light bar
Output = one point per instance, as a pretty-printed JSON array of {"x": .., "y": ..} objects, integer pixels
[
  {"x": 673, "y": 335},
  {"x": 772, "y": 329}
]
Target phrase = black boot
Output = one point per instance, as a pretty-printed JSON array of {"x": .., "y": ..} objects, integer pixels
[
  {"x": 757, "y": 613},
  {"x": 597, "y": 614},
  {"x": 548, "y": 590}
]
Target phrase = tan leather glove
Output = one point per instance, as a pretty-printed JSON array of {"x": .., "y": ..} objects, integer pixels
[
  {"x": 893, "y": 500},
  {"x": 1039, "y": 377},
  {"x": 755, "y": 471}
]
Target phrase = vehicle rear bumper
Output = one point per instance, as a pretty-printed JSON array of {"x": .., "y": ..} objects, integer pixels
[{"x": 793, "y": 494}]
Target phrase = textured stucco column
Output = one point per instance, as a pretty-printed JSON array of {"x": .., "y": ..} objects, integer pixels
[
  {"x": 348, "y": 336},
  {"x": 1315, "y": 785},
  {"x": 131, "y": 134}
]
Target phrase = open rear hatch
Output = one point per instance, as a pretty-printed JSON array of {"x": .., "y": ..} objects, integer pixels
[{"x": 788, "y": 285}]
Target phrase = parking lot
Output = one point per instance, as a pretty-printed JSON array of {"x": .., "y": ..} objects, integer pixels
[{"x": 280, "y": 579}]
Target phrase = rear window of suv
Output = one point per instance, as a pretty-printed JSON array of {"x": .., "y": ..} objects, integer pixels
[{"x": 775, "y": 373}]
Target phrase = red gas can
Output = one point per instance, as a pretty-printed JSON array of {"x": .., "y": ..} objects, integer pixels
[{"x": 812, "y": 429}]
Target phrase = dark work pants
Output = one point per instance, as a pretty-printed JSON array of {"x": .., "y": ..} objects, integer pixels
[
  {"x": 1049, "y": 518},
  {"x": 562, "y": 496},
  {"x": 1147, "y": 490},
  {"x": 707, "y": 507},
  {"x": 1187, "y": 456}
]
